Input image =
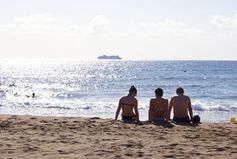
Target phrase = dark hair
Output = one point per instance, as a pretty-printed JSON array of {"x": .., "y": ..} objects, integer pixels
[
  {"x": 159, "y": 92},
  {"x": 180, "y": 90},
  {"x": 133, "y": 89}
]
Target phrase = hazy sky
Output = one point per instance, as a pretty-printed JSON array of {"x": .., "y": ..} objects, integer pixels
[{"x": 133, "y": 29}]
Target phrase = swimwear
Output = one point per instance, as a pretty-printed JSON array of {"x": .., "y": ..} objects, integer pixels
[
  {"x": 159, "y": 119},
  {"x": 182, "y": 119},
  {"x": 128, "y": 118}
]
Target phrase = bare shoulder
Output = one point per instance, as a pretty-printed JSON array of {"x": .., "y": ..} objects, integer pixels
[
  {"x": 173, "y": 98},
  {"x": 152, "y": 100},
  {"x": 123, "y": 98},
  {"x": 187, "y": 97},
  {"x": 166, "y": 100}
]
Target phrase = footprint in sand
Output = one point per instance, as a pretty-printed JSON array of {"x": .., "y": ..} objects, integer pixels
[
  {"x": 140, "y": 154},
  {"x": 129, "y": 154},
  {"x": 62, "y": 152},
  {"x": 169, "y": 156}
]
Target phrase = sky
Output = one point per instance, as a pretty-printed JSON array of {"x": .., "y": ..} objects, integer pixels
[{"x": 132, "y": 29}]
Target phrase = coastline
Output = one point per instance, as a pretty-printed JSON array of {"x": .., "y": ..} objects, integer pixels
[{"x": 76, "y": 137}]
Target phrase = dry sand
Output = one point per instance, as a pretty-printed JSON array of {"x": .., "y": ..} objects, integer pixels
[{"x": 61, "y": 137}]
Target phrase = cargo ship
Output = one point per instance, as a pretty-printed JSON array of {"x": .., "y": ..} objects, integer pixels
[{"x": 111, "y": 57}]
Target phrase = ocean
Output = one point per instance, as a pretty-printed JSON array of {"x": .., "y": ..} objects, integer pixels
[{"x": 66, "y": 87}]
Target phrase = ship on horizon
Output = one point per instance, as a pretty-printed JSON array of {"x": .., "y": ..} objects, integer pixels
[{"x": 111, "y": 57}]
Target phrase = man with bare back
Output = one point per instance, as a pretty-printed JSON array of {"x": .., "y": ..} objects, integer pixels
[
  {"x": 158, "y": 107},
  {"x": 129, "y": 106},
  {"x": 181, "y": 105}
]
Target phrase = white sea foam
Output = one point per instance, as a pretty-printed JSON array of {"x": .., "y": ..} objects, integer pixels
[
  {"x": 214, "y": 106},
  {"x": 199, "y": 106}
]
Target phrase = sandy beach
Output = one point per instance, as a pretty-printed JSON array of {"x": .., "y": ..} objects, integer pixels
[{"x": 69, "y": 137}]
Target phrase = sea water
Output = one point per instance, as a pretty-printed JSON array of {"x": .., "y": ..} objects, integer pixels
[{"x": 92, "y": 88}]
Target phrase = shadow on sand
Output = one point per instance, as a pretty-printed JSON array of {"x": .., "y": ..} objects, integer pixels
[
  {"x": 163, "y": 124},
  {"x": 186, "y": 124}
]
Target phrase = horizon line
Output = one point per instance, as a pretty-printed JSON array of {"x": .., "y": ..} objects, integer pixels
[{"x": 80, "y": 59}]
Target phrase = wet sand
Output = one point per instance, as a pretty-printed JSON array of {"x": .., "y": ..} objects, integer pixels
[{"x": 63, "y": 137}]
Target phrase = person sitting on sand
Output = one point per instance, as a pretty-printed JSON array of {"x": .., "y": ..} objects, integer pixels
[
  {"x": 128, "y": 104},
  {"x": 158, "y": 107},
  {"x": 182, "y": 106}
]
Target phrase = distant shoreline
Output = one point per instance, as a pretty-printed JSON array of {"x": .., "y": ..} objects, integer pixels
[{"x": 78, "y": 59}]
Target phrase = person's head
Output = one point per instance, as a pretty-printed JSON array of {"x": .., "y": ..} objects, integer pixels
[
  {"x": 180, "y": 91},
  {"x": 159, "y": 92},
  {"x": 133, "y": 91}
]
